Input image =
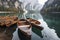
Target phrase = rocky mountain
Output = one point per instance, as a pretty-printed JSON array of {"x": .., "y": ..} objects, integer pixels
[
  {"x": 10, "y": 5},
  {"x": 51, "y": 6}
]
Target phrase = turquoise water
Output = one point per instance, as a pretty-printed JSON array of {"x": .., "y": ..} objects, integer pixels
[
  {"x": 53, "y": 21},
  {"x": 54, "y": 24}
]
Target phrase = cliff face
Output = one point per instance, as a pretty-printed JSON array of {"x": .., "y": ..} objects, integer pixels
[
  {"x": 10, "y": 5},
  {"x": 51, "y": 6}
]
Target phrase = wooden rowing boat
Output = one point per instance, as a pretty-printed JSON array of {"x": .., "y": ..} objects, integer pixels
[
  {"x": 35, "y": 23},
  {"x": 24, "y": 29}
]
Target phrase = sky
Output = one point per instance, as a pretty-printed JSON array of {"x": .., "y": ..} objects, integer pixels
[{"x": 42, "y": 1}]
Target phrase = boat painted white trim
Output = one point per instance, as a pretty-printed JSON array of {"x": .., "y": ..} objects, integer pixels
[{"x": 25, "y": 29}]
